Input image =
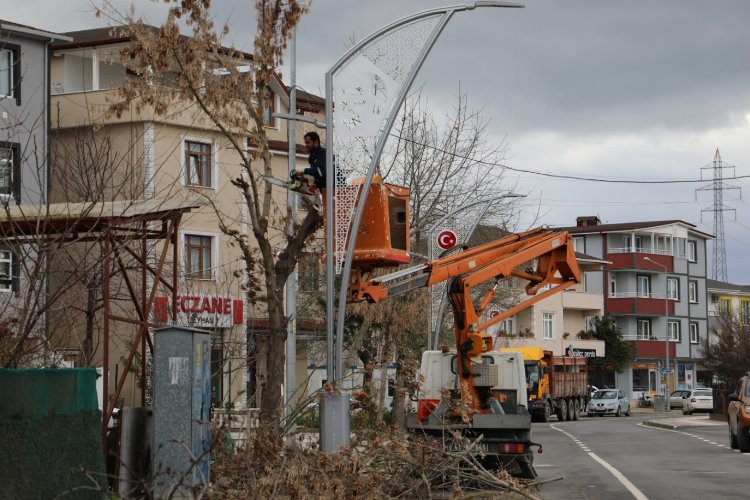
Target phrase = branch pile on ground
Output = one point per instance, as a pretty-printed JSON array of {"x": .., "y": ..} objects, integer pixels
[{"x": 382, "y": 464}]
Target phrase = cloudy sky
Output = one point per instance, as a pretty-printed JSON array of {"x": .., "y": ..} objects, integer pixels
[{"x": 611, "y": 90}]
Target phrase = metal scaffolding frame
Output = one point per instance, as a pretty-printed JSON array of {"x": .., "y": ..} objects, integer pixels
[{"x": 118, "y": 225}]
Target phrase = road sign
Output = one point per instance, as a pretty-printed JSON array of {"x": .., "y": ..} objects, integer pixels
[
  {"x": 494, "y": 314},
  {"x": 666, "y": 371},
  {"x": 447, "y": 239}
]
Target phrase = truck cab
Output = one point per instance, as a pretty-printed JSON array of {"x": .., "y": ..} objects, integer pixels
[{"x": 556, "y": 384}]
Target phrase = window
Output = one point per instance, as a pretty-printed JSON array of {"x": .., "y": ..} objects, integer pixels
[
  {"x": 6, "y": 270},
  {"x": 10, "y": 76},
  {"x": 579, "y": 244},
  {"x": 10, "y": 161},
  {"x": 612, "y": 285},
  {"x": 508, "y": 325},
  {"x": 673, "y": 288},
  {"x": 644, "y": 329},
  {"x": 694, "y": 333},
  {"x": 644, "y": 286},
  {"x": 199, "y": 171},
  {"x": 590, "y": 322},
  {"x": 548, "y": 324},
  {"x": 674, "y": 330},
  {"x": 693, "y": 292},
  {"x": 638, "y": 244},
  {"x": 745, "y": 312},
  {"x": 269, "y": 108},
  {"x": 725, "y": 305},
  {"x": 692, "y": 251},
  {"x": 198, "y": 256},
  {"x": 309, "y": 272}
]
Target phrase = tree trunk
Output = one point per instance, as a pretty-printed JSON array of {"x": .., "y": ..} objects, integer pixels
[
  {"x": 399, "y": 408},
  {"x": 382, "y": 393},
  {"x": 271, "y": 402},
  {"x": 88, "y": 342},
  {"x": 365, "y": 355}
]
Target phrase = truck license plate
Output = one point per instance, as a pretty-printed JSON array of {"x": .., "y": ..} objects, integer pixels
[{"x": 454, "y": 447}]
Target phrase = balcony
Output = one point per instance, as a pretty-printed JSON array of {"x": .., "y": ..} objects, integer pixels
[
  {"x": 582, "y": 301},
  {"x": 634, "y": 303},
  {"x": 649, "y": 348},
  {"x": 624, "y": 258}
]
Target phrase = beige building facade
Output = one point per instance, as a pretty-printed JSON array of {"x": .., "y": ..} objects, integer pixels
[
  {"x": 554, "y": 322},
  {"x": 180, "y": 155}
]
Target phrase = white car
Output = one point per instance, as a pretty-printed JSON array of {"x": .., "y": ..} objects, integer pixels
[
  {"x": 608, "y": 402},
  {"x": 698, "y": 400}
]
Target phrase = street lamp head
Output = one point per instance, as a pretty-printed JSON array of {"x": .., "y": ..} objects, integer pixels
[{"x": 492, "y": 3}]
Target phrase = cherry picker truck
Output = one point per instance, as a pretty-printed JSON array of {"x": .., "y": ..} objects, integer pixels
[{"x": 477, "y": 391}]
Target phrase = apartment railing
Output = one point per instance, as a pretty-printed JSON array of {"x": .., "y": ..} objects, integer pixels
[
  {"x": 639, "y": 250},
  {"x": 636, "y": 295}
]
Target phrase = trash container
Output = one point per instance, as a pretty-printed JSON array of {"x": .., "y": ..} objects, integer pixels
[{"x": 659, "y": 403}]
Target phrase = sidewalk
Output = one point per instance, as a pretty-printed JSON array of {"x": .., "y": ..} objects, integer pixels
[{"x": 667, "y": 421}]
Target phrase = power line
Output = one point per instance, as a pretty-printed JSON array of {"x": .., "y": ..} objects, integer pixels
[{"x": 560, "y": 176}]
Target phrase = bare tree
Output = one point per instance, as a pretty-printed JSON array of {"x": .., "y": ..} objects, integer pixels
[
  {"x": 446, "y": 162},
  {"x": 49, "y": 260},
  {"x": 199, "y": 70},
  {"x": 726, "y": 350}
]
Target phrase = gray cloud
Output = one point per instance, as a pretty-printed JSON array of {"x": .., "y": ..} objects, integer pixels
[{"x": 607, "y": 88}]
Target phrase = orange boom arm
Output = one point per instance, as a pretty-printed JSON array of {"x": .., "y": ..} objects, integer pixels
[{"x": 552, "y": 262}]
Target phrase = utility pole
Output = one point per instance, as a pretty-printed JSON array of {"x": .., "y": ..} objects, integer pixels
[
  {"x": 717, "y": 186},
  {"x": 290, "y": 295}
]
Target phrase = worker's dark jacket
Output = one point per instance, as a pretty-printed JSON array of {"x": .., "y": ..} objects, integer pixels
[{"x": 317, "y": 167}]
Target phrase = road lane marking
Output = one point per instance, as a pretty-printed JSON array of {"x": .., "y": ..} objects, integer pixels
[
  {"x": 638, "y": 494},
  {"x": 694, "y": 436}
]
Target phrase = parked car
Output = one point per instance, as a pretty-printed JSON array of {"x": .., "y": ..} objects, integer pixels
[
  {"x": 677, "y": 398},
  {"x": 739, "y": 416},
  {"x": 608, "y": 402},
  {"x": 698, "y": 400}
]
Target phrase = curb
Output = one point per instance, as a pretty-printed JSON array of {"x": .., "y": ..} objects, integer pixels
[{"x": 660, "y": 425}]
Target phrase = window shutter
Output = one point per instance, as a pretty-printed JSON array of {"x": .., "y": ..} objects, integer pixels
[{"x": 17, "y": 173}]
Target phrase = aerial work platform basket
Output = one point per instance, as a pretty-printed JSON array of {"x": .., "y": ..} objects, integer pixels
[{"x": 383, "y": 237}]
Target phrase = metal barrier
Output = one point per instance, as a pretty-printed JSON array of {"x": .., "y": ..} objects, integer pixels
[{"x": 240, "y": 422}]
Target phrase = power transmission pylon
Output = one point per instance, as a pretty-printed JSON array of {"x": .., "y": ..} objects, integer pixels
[{"x": 718, "y": 186}]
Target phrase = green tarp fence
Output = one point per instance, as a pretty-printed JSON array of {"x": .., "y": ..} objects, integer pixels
[{"x": 50, "y": 434}]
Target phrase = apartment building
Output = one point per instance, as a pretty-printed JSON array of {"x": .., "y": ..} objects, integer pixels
[
  {"x": 178, "y": 155},
  {"x": 654, "y": 287},
  {"x": 24, "y": 168},
  {"x": 727, "y": 299},
  {"x": 555, "y": 321}
]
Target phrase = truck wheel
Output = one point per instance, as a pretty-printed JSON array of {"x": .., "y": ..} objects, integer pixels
[
  {"x": 576, "y": 410},
  {"x": 527, "y": 470},
  {"x": 547, "y": 412},
  {"x": 562, "y": 411},
  {"x": 571, "y": 410},
  {"x": 743, "y": 440}
]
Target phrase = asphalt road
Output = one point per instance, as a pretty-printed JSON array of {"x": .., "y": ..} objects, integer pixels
[{"x": 620, "y": 458}]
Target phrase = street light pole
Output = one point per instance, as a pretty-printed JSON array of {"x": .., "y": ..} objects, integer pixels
[{"x": 666, "y": 338}]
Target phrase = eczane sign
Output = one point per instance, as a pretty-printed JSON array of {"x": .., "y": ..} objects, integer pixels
[{"x": 202, "y": 311}]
